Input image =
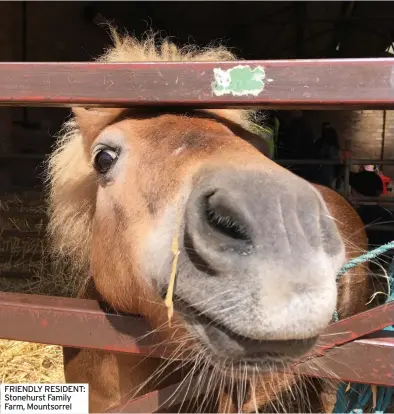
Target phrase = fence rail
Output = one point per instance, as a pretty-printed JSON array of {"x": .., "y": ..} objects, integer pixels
[
  {"x": 355, "y": 349},
  {"x": 303, "y": 84},
  {"x": 358, "y": 161},
  {"x": 52, "y": 320}
]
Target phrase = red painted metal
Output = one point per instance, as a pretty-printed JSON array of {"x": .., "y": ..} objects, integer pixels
[
  {"x": 100, "y": 328},
  {"x": 314, "y": 84},
  {"x": 166, "y": 398},
  {"x": 75, "y": 323},
  {"x": 85, "y": 323},
  {"x": 355, "y": 327},
  {"x": 377, "y": 368},
  {"x": 354, "y": 349},
  {"x": 367, "y": 361}
]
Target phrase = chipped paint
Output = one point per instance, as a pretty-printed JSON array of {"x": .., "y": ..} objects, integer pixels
[{"x": 240, "y": 80}]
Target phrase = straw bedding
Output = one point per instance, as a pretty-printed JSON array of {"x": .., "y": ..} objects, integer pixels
[
  {"x": 23, "y": 362},
  {"x": 25, "y": 268}
]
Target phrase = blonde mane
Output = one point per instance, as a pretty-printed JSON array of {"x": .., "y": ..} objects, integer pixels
[{"x": 70, "y": 177}]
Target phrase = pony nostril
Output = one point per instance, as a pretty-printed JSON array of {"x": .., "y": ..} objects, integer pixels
[
  {"x": 223, "y": 219},
  {"x": 217, "y": 231}
]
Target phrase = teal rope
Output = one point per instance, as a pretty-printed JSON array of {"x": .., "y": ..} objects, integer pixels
[
  {"x": 365, "y": 257},
  {"x": 391, "y": 284},
  {"x": 384, "y": 399},
  {"x": 362, "y": 259},
  {"x": 359, "y": 395}
]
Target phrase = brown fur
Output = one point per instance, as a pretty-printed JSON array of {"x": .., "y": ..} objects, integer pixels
[{"x": 83, "y": 229}]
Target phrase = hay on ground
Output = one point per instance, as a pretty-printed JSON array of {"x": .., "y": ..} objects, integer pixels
[
  {"x": 26, "y": 268},
  {"x": 24, "y": 362}
]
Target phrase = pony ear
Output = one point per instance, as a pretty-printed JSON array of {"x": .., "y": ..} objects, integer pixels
[{"x": 92, "y": 121}]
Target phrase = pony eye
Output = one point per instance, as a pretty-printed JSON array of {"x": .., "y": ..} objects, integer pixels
[{"x": 104, "y": 160}]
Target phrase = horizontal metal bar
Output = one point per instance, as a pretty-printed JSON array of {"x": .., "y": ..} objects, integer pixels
[
  {"x": 362, "y": 199},
  {"x": 334, "y": 162},
  {"x": 75, "y": 323},
  {"x": 372, "y": 203},
  {"x": 34, "y": 318},
  {"x": 367, "y": 361},
  {"x": 340, "y": 363},
  {"x": 352, "y": 328},
  {"x": 376, "y": 367},
  {"x": 168, "y": 397},
  {"x": 362, "y": 161},
  {"x": 308, "y": 84},
  {"x": 52, "y": 320},
  {"x": 311, "y": 20},
  {"x": 379, "y": 227}
]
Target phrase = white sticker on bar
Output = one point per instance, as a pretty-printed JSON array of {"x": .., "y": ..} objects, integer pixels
[
  {"x": 44, "y": 398},
  {"x": 240, "y": 80}
]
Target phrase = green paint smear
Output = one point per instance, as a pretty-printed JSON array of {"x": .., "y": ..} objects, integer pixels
[{"x": 238, "y": 81}]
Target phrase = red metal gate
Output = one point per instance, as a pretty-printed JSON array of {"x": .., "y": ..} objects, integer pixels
[{"x": 305, "y": 84}]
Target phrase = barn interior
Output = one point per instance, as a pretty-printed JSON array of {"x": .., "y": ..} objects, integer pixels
[{"x": 76, "y": 31}]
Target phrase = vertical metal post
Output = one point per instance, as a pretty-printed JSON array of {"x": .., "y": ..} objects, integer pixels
[
  {"x": 348, "y": 163},
  {"x": 383, "y": 136}
]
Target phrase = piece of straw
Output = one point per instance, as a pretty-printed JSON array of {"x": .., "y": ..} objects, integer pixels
[
  {"x": 170, "y": 291},
  {"x": 374, "y": 395}
]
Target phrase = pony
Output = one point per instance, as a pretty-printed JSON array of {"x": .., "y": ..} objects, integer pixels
[{"x": 259, "y": 248}]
